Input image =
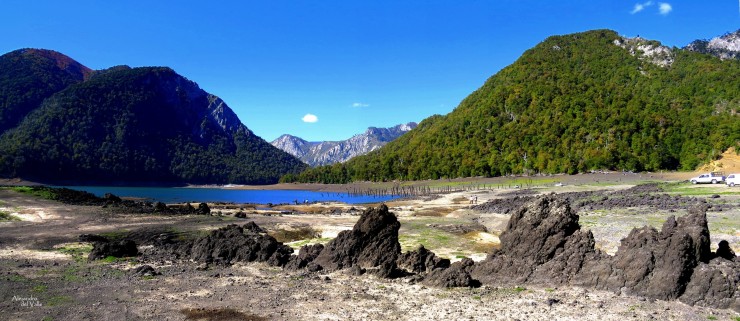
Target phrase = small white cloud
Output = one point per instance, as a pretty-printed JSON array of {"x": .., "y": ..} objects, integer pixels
[
  {"x": 640, "y": 6},
  {"x": 310, "y": 118},
  {"x": 665, "y": 8},
  {"x": 357, "y": 105}
]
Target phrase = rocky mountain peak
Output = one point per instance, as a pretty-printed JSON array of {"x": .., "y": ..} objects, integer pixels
[
  {"x": 292, "y": 145},
  {"x": 331, "y": 152},
  {"x": 724, "y": 47}
]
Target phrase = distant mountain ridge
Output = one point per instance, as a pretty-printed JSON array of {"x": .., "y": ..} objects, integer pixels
[
  {"x": 63, "y": 122},
  {"x": 331, "y": 152},
  {"x": 723, "y": 47}
]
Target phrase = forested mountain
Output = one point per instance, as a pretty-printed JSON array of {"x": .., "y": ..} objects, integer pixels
[
  {"x": 573, "y": 103},
  {"x": 125, "y": 126},
  {"x": 331, "y": 152},
  {"x": 28, "y": 76}
]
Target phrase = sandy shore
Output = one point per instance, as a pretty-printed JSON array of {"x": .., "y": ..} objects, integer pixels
[{"x": 538, "y": 180}]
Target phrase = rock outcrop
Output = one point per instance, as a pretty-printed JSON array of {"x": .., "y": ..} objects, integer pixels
[
  {"x": 457, "y": 275},
  {"x": 724, "y": 47},
  {"x": 305, "y": 258},
  {"x": 673, "y": 263},
  {"x": 714, "y": 284},
  {"x": 103, "y": 247},
  {"x": 144, "y": 270},
  {"x": 233, "y": 243},
  {"x": 724, "y": 251},
  {"x": 543, "y": 243},
  {"x": 371, "y": 244},
  {"x": 421, "y": 260}
]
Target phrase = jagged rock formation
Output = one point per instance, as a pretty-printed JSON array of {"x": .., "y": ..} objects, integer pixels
[
  {"x": 543, "y": 244},
  {"x": 724, "y": 47},
  {"x": 714, "y": 284},
  {"x": 331, "y": 152},
  {"x": 372, "y": 243},
  {"x": 675, "y": 263}
]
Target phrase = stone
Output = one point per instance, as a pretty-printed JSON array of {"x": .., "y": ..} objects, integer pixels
[
  {"x": 306, "y": 255},
  {"x": 715, "y": 284},
  {"x": 120, "y": 248},
  {"x": 372, "y": 243},
  {"x": 542, "y": 242},
  {"x": 657, "y": 264},
  {"x": 234, "y": 243},
  {"x": 203, "y": 209},
  {"x": 724, "y": 251},
  {"x": 457, "y": 275},
  {"x": 421, "y": 260}
]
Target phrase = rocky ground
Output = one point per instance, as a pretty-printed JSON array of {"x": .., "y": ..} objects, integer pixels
[{"x": 46, "y": 273}]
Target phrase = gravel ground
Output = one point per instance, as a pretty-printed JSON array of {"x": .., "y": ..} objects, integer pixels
[{"x": 44, "y": 273}]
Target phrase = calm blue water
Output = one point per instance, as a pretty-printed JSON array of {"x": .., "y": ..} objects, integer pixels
[{"x": 179, "y": 194}]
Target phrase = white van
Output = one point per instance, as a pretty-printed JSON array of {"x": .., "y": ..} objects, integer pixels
[{"x": 732, "y": 180}]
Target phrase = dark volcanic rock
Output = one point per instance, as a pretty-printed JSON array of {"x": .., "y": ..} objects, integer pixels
[
  {"x": 253, "y": 227},
  {"x": 714, "y": 284},
  {"x": 160, "y": 207},
  {"x": 658, "y": 264},
  {"x": 305, "y": 256},
  {"x": 724, "y": 251},
  {"x": 542, "y": 242},
  {"x": 538, "y": 230},
  {"x": 235, "y": 243},
  {"x": 457, "y": 275},
  {"x": 421, "y": 260},
  {"x": 372, "y": 243},
  {"x": 203, "y": 209},
  {"x": 120, "y": 248}
]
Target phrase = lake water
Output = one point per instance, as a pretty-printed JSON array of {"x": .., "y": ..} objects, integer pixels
[{"x": 181, "y": 194}]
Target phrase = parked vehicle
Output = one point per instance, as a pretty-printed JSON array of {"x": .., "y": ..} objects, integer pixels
[
  {"x": 732, "y": 180},
  {"x": 713, "y": 177}
]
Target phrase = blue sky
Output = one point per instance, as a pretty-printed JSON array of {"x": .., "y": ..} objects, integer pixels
[{"x": 350, "y": 64}]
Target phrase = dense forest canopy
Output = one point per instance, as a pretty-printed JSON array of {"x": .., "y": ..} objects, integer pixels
[
  {"x": 573, "y": 103},
  {"x": 127, "y": 126}
]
